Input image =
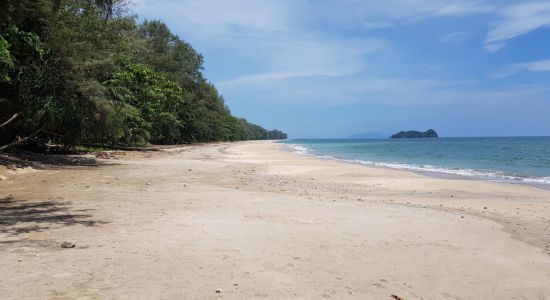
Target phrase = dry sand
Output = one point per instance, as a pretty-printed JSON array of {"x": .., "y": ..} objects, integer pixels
[{"x": 252, "y": 221}]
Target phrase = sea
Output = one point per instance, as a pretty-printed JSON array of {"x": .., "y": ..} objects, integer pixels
[{"x": 504, "y": 159}]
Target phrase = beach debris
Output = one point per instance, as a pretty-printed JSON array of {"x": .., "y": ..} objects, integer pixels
[
  {"x": 68, "y": 244},
  {"x": 105, "y": 155},
  {"x": 218, "y": 291},
  {"x": 462, "y": 217},
  {"x": 484, "y": 207},
  {"x": 190, "y": 169},
  {"x": 396, "y": 297}
]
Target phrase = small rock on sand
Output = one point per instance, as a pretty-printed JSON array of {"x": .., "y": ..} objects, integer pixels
[
  {"x": 68, "y": 244},
  {"x": 218, "y": 291}
]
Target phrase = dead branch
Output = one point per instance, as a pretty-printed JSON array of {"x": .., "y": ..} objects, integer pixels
[
  {"x": 10, "y": 119},
  {"x": 21, "y": 141}
]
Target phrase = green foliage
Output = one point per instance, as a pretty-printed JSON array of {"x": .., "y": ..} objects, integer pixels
[
  {"x": 6, "y": 60},
  {"x": 118, "y": 125},
  {"x": 156, "y": 98},
  {"x": 25, "y": 45},
  {"x": 167, "y": 53},
  {"x": 86, "y": 72}
]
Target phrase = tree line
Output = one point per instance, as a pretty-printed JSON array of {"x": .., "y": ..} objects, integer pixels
[{"x": 87, "y": 72}]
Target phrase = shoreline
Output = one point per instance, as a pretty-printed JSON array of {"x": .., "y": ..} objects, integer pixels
[
  {"x": 255, "y": 221},
  {"x": 428, "y": 173},
  {"x": 448, "y": 179}
]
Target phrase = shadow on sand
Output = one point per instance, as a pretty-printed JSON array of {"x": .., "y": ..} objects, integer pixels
[
  {"x": 20, "y": 216},
  {"x": 46, "y": 161}
]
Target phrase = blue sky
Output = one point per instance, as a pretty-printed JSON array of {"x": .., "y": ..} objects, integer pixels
[{"x": 325, "y": 69}]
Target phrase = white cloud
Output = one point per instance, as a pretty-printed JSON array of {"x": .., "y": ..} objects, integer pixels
[
  {"x": 534, "y": 66},
  {"x": 494, "y": 47},
  {"x": 415, "y": 9},
  {"x": 295, "y": 62},
  {"x": 517, "y": 20},
  {"x": 375, "y": 24},
  {"x": 463, "y": 8},
  {"x": 414, "y": 93},
  {"x": 309, "y": 56},
  {"x": 216, "y": 17},
  {"x": 455, "y": 37},
  {"x": 537, "y": 66},
  {"x": 387, "y": 13},
  {"x": 270, "y": 33}
]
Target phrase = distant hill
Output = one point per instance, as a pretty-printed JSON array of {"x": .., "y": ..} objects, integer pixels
[
  {"x": 430, "y": 133},
  {"x": 367, "y": 135}
]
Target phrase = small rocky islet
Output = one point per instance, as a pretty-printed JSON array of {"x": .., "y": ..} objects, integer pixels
[{"x": 430, "y": 133}]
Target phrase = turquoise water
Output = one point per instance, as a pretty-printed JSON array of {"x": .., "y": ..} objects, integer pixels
[{"x": 517, "y": 159}]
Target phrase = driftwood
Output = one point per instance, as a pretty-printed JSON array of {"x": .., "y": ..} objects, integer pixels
[{"x": 21, "y": 141}]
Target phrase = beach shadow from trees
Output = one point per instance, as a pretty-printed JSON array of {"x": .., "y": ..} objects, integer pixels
[
  {"x": 19, "y": 216},
  {"x": 47, "y": 161}
]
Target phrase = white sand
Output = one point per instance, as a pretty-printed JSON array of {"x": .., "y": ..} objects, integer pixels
[{"x": 257, "y": 222}]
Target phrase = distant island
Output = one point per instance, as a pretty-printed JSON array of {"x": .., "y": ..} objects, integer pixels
[
  {"x": 368, "y": 135},
  {"x": 430, "y": 133}
]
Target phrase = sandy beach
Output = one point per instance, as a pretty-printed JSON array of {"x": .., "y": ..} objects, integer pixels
[{"x": 249, "y": 220}]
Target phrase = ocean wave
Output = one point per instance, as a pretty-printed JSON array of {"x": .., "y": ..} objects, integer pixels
[
  {"x": 472, "y": 173},
  {"x": 299, "y": 149},
  {"x": 482, "y": 174}
]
